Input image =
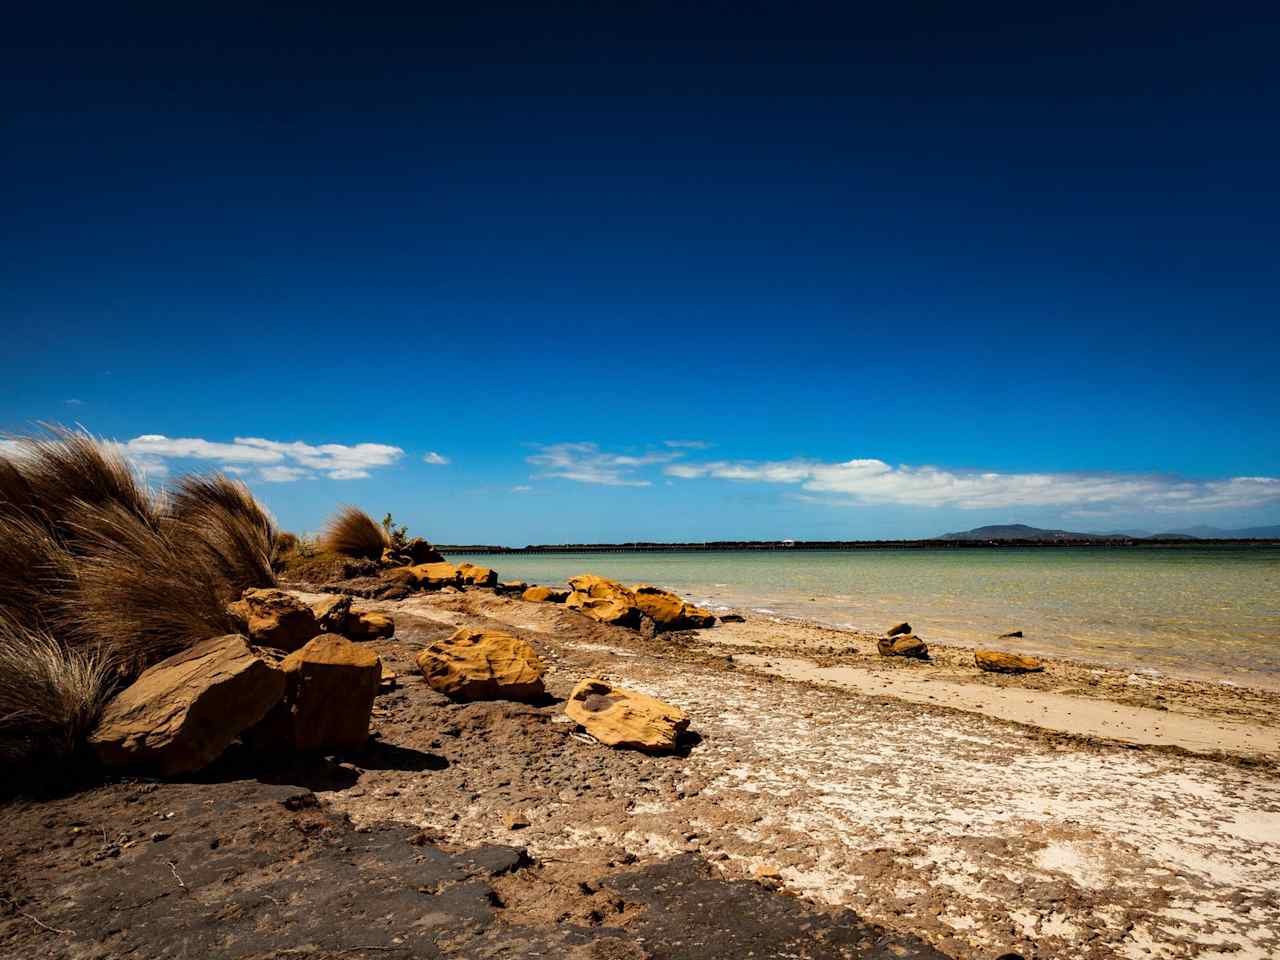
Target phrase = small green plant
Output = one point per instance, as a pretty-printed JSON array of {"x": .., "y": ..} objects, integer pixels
[{"x": 397, "y": 535}]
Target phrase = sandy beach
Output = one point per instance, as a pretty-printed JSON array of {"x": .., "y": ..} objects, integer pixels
[
  {"x": 830, "y": 802},
  {"x": 1077, "y": 812}
]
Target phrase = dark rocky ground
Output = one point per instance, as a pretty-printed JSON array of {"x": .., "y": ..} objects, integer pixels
[{"x": 237, "y": 866}]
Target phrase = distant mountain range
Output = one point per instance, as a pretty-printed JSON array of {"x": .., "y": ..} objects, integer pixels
[{"x": 1020, "y": 531}]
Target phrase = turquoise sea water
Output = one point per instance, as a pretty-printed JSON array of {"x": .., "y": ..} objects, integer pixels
[{"x": 1184, "y": 610}]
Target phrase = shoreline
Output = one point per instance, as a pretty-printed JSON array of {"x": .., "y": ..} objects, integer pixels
[
  {"x": 1174, "y": 612},
  {"x": 838, "y": 545},
  {"x": 1218, "y": 675},
  {"x": 1203, "y": 715}
]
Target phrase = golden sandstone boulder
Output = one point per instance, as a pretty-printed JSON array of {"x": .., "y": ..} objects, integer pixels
[
  {"x": 904, "y": 646},
  {"x": 332, "y": 613},
  {"x": 180, "y": 714},
  {"x": 330, "y": 685},
  {"x": 278, "y": 619},
  {"x": 600, "y": 588},
  {"x": 604, "y": 600},
  {"x": 624, "y": 718},
  {"x": 996, "y": 661},
  {"x": 898, "y": 629},
  {"x": 545, "y": 595},
  {"x": 477, "y": 576},
  {"x": 614, "y": 610},
  {"x": 668, "y": 611},
  {"x": 483, "y": 665},
  {"x": 367, "y": 625},
  {"x": 433, "y": 576}
]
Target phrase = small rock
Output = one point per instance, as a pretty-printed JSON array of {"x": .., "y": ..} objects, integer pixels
[
  {"x": 996, "y": 661},
  {"x": 278, "y": 619},
  {"x": 732, "y": 618},
  {"x": 668, "y": 611},
  {"x": 898, "y": 628},
  {"x": 624, "y": 718},
  {"x": 366, "y": 625},
  {"x": 515, "y": 821},
  {"x": 436, "y": 576},
  {"x": 1010, "y": 636},
  {"x": 903, "y": 646},
  {"x": 545, "y": 595},
  {"x": 332, "y": 613},
  {"x": 477, "y": 576},
  {"x": 483, "y": 665},
  {"x": 767, "y": 874}
]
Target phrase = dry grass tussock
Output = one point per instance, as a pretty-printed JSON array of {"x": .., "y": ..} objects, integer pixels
[
  {"x": 50, "y": 695},
  {"x": 220, "y": 519},
  {"x": 100, "y": 577},
  {"x": 353, "y": 533}
]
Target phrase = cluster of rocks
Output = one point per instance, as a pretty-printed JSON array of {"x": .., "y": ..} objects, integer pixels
[
  {"x": 643, "y": 606},
  {"x": 440, "y": 574},
  {"x": 491, "y": 665},
  {"x": 295, "y": 679},
  {"x": 900, "y": 641}
]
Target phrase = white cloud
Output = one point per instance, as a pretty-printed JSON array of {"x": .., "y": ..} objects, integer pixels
[
  {"x": 435, "y": 458},
  {"x": 275, "y": 461},
  {"x": 687, "y": 444},
  {"x": 874, "y": 482},
  {"x": 521, "y": 488},
  {"x": 73, "y": 402},
  {"x": 587, "y": 463},
  {"x": 283, "y": 474}
]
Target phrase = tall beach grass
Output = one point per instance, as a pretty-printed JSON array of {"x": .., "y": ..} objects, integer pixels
[{"x": 100, "y": 577}]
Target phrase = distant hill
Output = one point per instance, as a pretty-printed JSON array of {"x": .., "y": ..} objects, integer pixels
[
  {"x": 1219, "y": 533},
  {"x": 1020, "y": 531}
]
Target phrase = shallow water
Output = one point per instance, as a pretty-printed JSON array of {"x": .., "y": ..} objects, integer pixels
[{"x": 1183, "y": 610}]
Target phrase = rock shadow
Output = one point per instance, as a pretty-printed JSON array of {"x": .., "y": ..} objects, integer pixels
[{"x": 380, "y": 755}]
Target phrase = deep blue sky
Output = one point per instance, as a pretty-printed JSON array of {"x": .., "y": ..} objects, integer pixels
[{"x": 988, "y": 238}]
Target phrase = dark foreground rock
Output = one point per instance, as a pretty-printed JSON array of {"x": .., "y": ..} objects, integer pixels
[{"x": 241, "y": 868}]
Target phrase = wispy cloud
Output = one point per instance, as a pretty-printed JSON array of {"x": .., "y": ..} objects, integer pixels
[
  {"x": 587, "y": 463},
  {"x": 687, "y": 444},
  {"x": 73, "y": 402},
  {"x": 521, "y": 488},
  {"x": 282, "y": 473},
  {"x": 435, "y": 458},
  {"x": 874, "y": 482},
  {"x": 271, "y": 460}
]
